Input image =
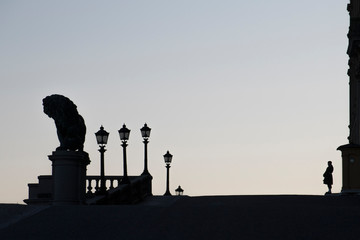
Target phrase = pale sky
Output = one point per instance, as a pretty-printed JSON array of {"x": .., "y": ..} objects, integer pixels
[{"x": 251, "y": 97}]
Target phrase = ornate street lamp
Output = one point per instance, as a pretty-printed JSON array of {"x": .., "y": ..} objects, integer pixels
[
  {"x": 167, "y": 158},
  {"x": 145, "y": 133},
  {"x": 179, "y": 191},
  {"x": 124, "y": 136},
  {"x": 102, "y": 138}
]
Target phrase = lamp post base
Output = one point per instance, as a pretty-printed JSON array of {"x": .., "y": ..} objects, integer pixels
[{"x": 167, "y": 193}]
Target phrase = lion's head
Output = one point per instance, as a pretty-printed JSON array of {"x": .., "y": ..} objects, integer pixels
[{"x": 58, "y": 106}]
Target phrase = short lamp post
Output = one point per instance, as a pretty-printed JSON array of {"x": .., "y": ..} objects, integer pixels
[
  {"x": 124, "y": 137},
  {"x": 179, "y": 191},
  {"x": 145, "y": 133},
  {"x": 102, "y": 138},
  {"x": 167, "y": 158}
]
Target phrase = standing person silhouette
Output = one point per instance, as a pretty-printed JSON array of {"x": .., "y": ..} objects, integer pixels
[{"x": 328, "y": 178}]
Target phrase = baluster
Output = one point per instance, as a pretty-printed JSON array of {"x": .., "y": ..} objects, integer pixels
[
  {"x": 89, "y": 180},
  {"x": 111, "y": 183},
  {"x": 105, "y": 184},
  {"x": 97, "y": 185}
]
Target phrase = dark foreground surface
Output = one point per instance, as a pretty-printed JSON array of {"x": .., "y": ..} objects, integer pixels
[{"x": 218, "y": 217}]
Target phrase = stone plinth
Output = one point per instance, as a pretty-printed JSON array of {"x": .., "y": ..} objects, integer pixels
[
  {"x": 351, "y": 168},
  {"x": 69, "y": 177}
]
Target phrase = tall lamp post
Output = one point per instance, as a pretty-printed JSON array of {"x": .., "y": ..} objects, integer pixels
[
  {"x": 102, "y": 138},
  {"x": 145, "y": 133},
  {"x": 167, "y": 158},
  {"x": 124, "y": 136}
]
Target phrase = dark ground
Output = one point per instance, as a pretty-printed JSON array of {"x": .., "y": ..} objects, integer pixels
[{"x": 215, "y": 217}]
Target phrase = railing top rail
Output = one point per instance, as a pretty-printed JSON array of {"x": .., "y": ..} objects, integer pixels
[{"x": 107, "y": 176}]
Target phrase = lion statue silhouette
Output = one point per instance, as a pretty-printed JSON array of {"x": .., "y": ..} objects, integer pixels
[{"x": 70, "y": 125}]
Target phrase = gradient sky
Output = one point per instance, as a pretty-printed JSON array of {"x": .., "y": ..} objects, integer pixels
[{"x": 251, "y": 97}]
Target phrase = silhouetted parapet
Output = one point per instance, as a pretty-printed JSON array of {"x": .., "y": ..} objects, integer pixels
[
  {"x": 70, "y": 125},
  {"x": 136, "y": 191},
  {"x": 350, "y": 154},
  {"x": 139, "y": 188},
  {"x": 69, "y": 176}
]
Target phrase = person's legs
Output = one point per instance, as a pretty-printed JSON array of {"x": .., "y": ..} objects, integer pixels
[{"x": 329, "y": 186}]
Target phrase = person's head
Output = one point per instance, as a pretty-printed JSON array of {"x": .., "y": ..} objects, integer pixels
[{"x": 329, "y": 163}]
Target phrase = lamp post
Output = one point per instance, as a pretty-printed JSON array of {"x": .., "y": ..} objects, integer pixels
[
  {"x": 179, "y": 191},
  {"x": 145, "y": 133},
  {"x": 167, "y": 158},
  {"x": 102, "y": 138},
  {"x": 124, "y": 136}
]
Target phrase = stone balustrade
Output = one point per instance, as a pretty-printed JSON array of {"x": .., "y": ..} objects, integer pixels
[
  {"x": 134, "y": 192},
  {"x": 93, "y": 183},
  {"x": 42, "y": 192}
]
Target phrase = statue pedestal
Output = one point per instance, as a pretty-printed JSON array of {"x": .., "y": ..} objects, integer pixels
[
  {"x": 69, "y": 177},
  {"x": 351, "y": 168}
]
